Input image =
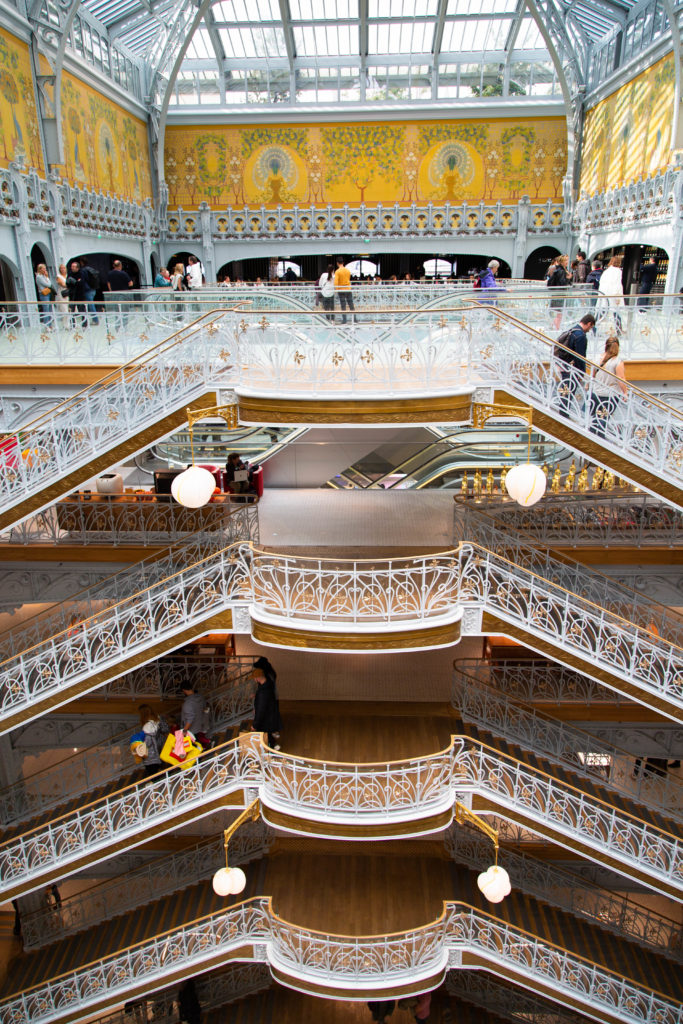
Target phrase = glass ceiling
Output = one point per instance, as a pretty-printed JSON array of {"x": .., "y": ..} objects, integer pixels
[{"x": 301, "y": 51}]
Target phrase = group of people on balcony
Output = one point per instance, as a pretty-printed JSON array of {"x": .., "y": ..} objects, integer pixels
[{"x": 71, "y": 299}]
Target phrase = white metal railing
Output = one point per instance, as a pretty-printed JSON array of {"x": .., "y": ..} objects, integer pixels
[
  {"x": 551, "y": 884},
  {"x": 229, "y": 691},
  {"x": 337, "y": 594},
  {"x": 473, "y": 522},
  {"x": 147, "y": 963},
  {"x": 90, "y": 830},
  {"x": 427, "y": 354},
  {"x": 336, "y": 793},
  {"x": 125, "y": 329},
  {"x": 137, "y": 519},
  {"x": 117, "y": 587},
  {"x": 330, "y": 793},
  {"x": 377, "y": 962},
  {"x": 144, "y": 885},
  {"x": 590, "y": 519},
  {"x": 543, "y": 682},
  {"x": 573, "y": 748}
]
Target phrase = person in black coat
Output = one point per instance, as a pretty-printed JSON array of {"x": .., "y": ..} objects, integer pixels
[
  {"x": 572, "y": 357},
  {"x": 648, "y": 276},
  {"x": 266, "y": 708}
]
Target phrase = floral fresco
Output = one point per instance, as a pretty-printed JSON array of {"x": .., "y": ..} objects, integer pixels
[
  {"x": 19, "y": 132},
  {"x": 105, "y": 148},
  {"x": 395, "y": 162},
  {"x": 627, "y": 136}
]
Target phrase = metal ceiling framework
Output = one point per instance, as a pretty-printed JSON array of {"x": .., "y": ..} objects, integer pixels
[{"x": 218, "y": 54}]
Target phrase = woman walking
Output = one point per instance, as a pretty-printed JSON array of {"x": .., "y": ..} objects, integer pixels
[{"x": 608, "y": 384}]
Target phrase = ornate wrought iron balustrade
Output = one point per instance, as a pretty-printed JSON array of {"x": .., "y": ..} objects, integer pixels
[
  {"x": 538, "y": 681},
  {"x": 650, "y": 201},
  {"x": 298, "y": 591},
  {"x": 90, "y": 830},
  {"x": 474, "y": 523},
  {"x": 117, "y": 408},
  {"x": 138, "y": 520},
  {"x": 566, "y": 974},
  {"x": 397, "y": 220},
  {"x": 330, "y": 793},
  {"x": 144, "y": 885},
  {"x": 229, "y": 691},
  {"x": 147, "y": 964},
  {"x": 565, "y": 744},
  {"x": 347, "y": 963},
  {"x": 327, "y": 792},
  {"x": 480, "y": 348},
  {"x": 118, "y": 587},
  {"x": 626, "y": 840},
  {"x": 596, "y": 518},
  {"x": 572, "y": 893}
]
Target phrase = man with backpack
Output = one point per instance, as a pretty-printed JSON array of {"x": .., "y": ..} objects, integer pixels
[
  {"x": 90, "y": 280},
  {"x": 569, "y": 355}
]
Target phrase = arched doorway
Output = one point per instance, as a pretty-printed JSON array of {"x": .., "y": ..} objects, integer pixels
[
  {"x": 635, "y": 256},
  {"x": 538, "y": 261},
  {"x": 8, "y": 292}
]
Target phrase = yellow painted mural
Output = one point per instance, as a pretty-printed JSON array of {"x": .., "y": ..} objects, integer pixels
[
  {"x": 627, "y": 136},
  {"x": 19, "y": 130},
  {"x": 397, "y": 162},
  {"x": 105, "y": 147}
]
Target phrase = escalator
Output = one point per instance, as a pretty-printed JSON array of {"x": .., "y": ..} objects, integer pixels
[{"x": 441, "y": 463}]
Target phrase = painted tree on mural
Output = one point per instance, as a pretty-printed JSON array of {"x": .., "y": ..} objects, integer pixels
[
  {"x": 359, "y": 155},
  {"x": 517, "y": 146}
]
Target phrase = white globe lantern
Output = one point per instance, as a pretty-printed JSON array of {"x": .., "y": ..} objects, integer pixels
[
  {"x": 229, "y": 881},
  {"x": 194, "y": 487},
  {"x": 526, "y": 484},
  {"x": 494, "y": 884}
]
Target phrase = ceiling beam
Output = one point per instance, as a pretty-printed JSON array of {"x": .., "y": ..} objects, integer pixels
[{"x": 515, "y": 26}]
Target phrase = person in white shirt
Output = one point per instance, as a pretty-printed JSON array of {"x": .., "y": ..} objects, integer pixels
[{"x": 195, "y": 273}]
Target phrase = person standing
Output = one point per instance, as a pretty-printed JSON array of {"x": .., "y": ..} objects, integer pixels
[
  {"x": 163, "y": 278},
  {"x": 580, "y": 272},
  {"x": 46, "y": 295},
  {"x": 194, "y": 714},
  {"x": 195, "y": 274},
  {"x": 62, "y": 299},
  {"x": 326, "y": 286},
  {"x": 648, "y": 276},
  {"x": 609, "y": 383},
  {"x": 156, "y": 731},
  {"x": 188, "y": 1003},
  {"x": 74, "y": 284},
  {"x": 487, "y": 278},
  {"x": 611, "y": 291},
  {"x": 119, "y": 281},
  {"x": 266, "y": 708},
  {"x": 342, "y": 288},
  {"x": 571, "y": 358},
  {"x": 91, "y": 282}
]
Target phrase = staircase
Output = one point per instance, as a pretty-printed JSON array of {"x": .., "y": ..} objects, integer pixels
[{"x": 484, "y": 354}]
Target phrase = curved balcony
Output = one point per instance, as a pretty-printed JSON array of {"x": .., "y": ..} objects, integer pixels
[
  {"x": 374, "y": 605},
  {"x": 359, "y": 802},
  {"x": 427, "y": 368},
  {"x": 127, "y": 329},
  {"x": 346, "y": 967}
]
